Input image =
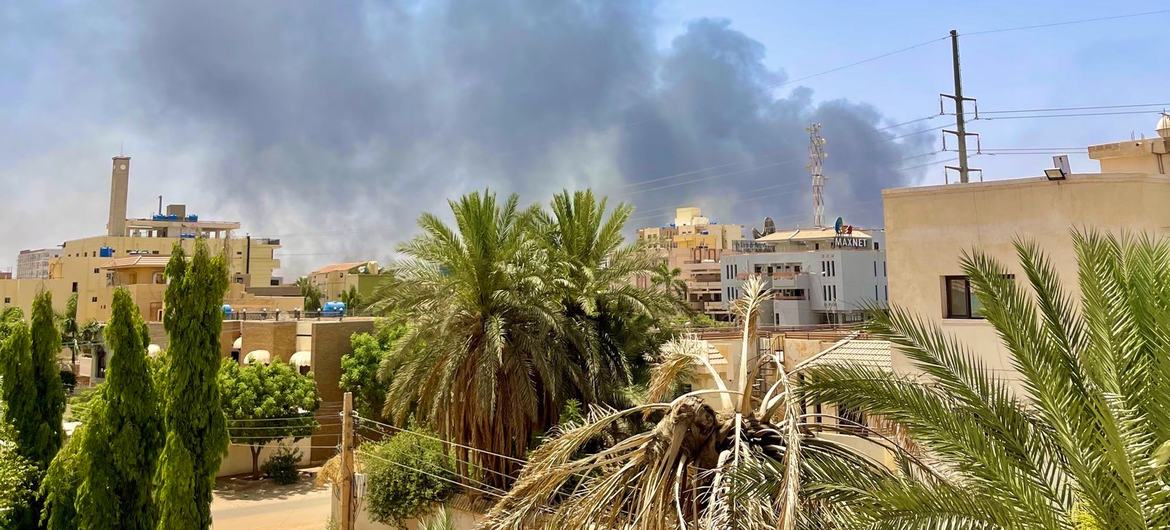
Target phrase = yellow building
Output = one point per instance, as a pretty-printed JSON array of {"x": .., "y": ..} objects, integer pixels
[
  {"x": 928, "y": 227},
  {"x": 694, "y": 245},
  {"x": 691, "y": 230},
  {"x": 337, "y": 278},
  {"x": 133, "y": 253}
]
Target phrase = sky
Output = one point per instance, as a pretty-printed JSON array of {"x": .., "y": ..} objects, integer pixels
[{"x": 332, "y": 126}]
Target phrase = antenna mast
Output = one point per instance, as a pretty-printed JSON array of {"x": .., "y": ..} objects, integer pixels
[{"x": 816, "y": 162}]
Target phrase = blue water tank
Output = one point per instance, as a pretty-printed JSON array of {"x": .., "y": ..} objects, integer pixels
[
  {"x": 333, "y": 308},
  {"x": 227, "y": 310},
  {"x": 106, "y": 252}
]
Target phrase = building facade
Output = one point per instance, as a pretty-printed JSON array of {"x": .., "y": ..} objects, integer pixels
[
  {"x": 691, "y": 230},
  {"x": 929, "y": 228},
  {"x": 337, "y": 278},
  {"x": 694, "y": 245},
  {"x": 817, "y": 276},
  {"x": 35, "y": 263},
  {"x": 133, "y": 253}
]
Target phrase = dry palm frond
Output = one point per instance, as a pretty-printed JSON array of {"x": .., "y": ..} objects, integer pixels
[
  {"x": 693, "y": 470},
  {"x": 330, "y": 473},
  {"x": 679, "y": 357},
  {"x": 748, "y": 309}
]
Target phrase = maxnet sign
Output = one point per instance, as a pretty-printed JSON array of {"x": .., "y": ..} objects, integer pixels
[{"x": 845, "y": 239}]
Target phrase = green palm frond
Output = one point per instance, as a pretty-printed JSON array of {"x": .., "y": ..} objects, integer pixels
[{"x": 1071, "y": 440}]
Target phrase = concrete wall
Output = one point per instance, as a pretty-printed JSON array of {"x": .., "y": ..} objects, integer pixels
[
  {"x": 462, "y": 519},
  {"x": 929, "y": 227},
  {"x": 278, "y": 337},
  {"x": 330, "y": 341},
  {"x": 239, "y": 457}
]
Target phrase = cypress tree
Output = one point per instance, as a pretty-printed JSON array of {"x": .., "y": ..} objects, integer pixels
[
  {"x": 124, "y": 437},
  {"x": 59, "y": 489},
  {"x": 196, "y": 431},
  {"x": 49, "y": 392}
]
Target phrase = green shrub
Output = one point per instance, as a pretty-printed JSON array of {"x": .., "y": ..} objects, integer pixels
[
  {"x": 282, "y": 465},
  {"x": 402, "y": 477},
  {"x": 68, "y": 380}
]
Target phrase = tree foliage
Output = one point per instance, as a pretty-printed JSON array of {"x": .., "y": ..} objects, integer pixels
[
  {"x": 605, "y": 317},
  {"x": 509, "y": 313},
  {"x": 352, "y": 300},
  {"x": 17, "y": 478},
  {"x": 70, "y": 328},
  {"x": 406, "y": 476},
  {"x": 359, "y": 368},
  {"x": 1074, "y": 442},
  {"x": 311, "y": 293},
  {"x": 62, "y": 480},
  {"x": 49, "y": 393},
  {"x": 124, "y": 434},
  {"x": 196, "y": 431},
  {"x": 477, "y": 362},
  {"x": 266, "y": 403}
]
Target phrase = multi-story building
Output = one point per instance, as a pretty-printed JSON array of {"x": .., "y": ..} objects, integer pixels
[
  {"x": 133, "y": 253},
  {"x": 693, "y": 245},
  {"x": 332, "y": 280},
  {"x": 817, "y": 275},
  {"x": 35, "y": 263},
  {"x": 930, "y": 226},
  {"x": 691, "y": 230},
  {"x": 699, "y": 269}
]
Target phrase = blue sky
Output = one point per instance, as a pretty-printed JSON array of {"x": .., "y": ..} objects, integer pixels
[
  {"x": 1113, "y": 62},
  {"x": 335, "y": 126}
]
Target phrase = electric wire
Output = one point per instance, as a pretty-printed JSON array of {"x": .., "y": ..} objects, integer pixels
[{"x": 1063, "y": 23}]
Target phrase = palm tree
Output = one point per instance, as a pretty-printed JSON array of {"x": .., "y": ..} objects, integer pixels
[
  {"x": 669, "y": 280},
  {"x": 695, "y": 468},
  {"x": 477, "y": 363},
  {"x": 311, "y": 293},
  {"x": 605, "y": 315},
  {"x": 1078, "y": 441}
]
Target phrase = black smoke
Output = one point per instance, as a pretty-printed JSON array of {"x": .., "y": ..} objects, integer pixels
[{"x": 334, "y": 124}]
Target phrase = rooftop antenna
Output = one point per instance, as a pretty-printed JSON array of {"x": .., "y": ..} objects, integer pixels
[{"x": 816, "y": 164}]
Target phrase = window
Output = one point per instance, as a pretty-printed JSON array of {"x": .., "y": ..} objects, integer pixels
[
  {"x": 852, "y": 420},
  {"x": 886, "y": 292},
  {"x": 961, "y": 302},
  {"x": 7, "y": 300},
  {"x": 876, "y": 246},
  {"x": 875, "y": 269},
  {"x": 94, "y": 300},
  {"x": 95, "y": 270},
  {"x": 883, "y": 269},
  {"x": 75, "y": 287},
  {"x": 875, "y": 293}
]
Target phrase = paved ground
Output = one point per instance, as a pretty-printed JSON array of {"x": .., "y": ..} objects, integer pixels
[{"x": 244, "y": 504}]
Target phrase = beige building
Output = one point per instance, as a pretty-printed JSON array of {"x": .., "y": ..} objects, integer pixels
[
  {"x": 694, "y": 245},
  {"x": 929, "y": 227},
  {"x": 691, "y": 230},
  {"x": 35, "y": 263},
  {"x": 133, "y": 253},
  {"x": 337, "y": 278}
]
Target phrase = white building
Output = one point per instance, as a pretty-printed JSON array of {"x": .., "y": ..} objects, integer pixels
[
  {"x": 817, "y": 275},
  {"x": 35, "y": 263}
]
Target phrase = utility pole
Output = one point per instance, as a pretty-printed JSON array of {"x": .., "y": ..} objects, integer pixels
[
  {"x": 816, "y": 163},
  {"x": 960, "y": 131},
  {"x": 347, "y": 463}
]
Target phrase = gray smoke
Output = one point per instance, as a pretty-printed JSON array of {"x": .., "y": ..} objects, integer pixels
[{"x": 334, "y": 124}]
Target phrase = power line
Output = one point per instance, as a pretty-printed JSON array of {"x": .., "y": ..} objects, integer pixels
[
  {"x": 1068, "y": 115},
  {"x": 863, "y": 61},
  {"x": 1065, "y": 23},
  {"x": 1063, "y": 109}
]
